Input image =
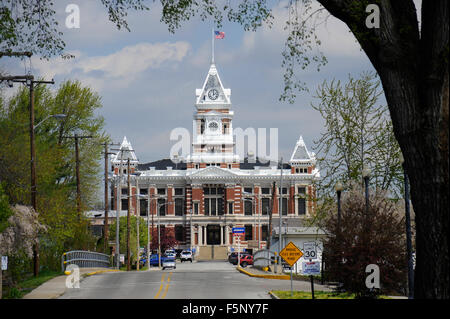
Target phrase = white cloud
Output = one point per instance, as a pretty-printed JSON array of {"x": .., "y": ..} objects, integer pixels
[{"x": 118, "y": 69}]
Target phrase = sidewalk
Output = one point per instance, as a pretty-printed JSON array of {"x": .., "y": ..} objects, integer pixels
[
  {"x": 255, "y": 272},
  {"x": 56, "y": 287}
]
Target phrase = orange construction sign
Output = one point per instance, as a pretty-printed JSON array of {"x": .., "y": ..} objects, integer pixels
[{"x": 291, "y": 254}]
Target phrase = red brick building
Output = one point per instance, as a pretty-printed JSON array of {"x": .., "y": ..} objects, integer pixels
[{"x": 212, "y": 190}]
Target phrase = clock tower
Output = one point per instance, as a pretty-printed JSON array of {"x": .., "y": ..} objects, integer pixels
[{"x": 212, "y": 125}]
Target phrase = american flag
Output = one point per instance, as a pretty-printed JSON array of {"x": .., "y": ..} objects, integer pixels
[{"x": 219, "y": 34}]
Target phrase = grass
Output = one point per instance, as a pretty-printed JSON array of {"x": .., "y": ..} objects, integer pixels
[
  {"x": 25, "y": 286},
  {"x": 317, "y": 295}
]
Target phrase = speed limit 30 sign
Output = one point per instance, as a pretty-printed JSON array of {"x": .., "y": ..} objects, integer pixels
[{"x": 309, "y": 250}]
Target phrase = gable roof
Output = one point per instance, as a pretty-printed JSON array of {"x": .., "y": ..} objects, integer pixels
[
  {"x": 213, "y": 81},
  {"x": 301, "y": 153},
  {"x": 126, "y": 152}
]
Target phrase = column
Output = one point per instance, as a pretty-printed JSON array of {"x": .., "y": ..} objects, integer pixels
[
  {"x": 221, "y": 235},
  {"x": 227, "y": 235},
  {"x": 200, "y": 235}
]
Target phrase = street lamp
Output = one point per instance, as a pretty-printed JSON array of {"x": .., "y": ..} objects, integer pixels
[
  {"x": 338, "y": 187},
  {"x": 408, "y": 233},
  {"x": 159, "y": 231},
  {"x": 366, "y": 175}
]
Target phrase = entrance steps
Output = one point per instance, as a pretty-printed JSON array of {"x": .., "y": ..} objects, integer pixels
[{"x": 212, "y": 252}]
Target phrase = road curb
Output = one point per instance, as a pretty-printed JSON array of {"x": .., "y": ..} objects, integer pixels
[
  {"x": 99, "y": 272},
  {"x": 273, "y": 296},
  {"x": 281, "y": 277}
]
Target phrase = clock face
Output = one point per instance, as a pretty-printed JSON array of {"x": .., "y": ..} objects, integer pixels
[
  {"x": 213, "y": 94},
  {"x": 213, "y": 126}
]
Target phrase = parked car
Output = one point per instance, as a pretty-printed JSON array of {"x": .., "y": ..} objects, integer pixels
[
  {"x": 233, "y": 257},
  {"x": 153, "y": 260},
  {"x": 169, "y": 261},
  {"x": 186, "y": 255},
  {"x": 246, "y": 260}
]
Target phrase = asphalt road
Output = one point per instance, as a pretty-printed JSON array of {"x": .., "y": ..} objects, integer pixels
[{"x": 198, "y": 280}]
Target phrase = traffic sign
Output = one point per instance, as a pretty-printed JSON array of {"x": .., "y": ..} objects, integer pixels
[
  {"x": 238, "y": 230},
  {"x": 309, "y": 250},
  {"x": 291, "y": 254},
  {"x": 311, "y": 268}
]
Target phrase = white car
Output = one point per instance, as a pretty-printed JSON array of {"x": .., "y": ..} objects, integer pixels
[
  {"x": 186, "y": 255},
  {"x": 169, "y": 263}
]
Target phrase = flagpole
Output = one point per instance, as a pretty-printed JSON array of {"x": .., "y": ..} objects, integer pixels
[{"x": 212, "y": 44}]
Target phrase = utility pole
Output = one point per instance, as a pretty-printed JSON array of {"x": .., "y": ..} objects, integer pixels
[
  {"x": 106, "y": 222},
  {"x": 270, "y": 216},
  {"x": 77, "y": 137},
  {"x": 128, "y": 216},
  {"x": 29, "y": 81},
  {"x": 280, "y": 211}
]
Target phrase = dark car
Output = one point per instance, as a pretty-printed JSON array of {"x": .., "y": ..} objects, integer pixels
[
  {"x": 233, "y": 257},
  {"x": 246, "y": 260}
]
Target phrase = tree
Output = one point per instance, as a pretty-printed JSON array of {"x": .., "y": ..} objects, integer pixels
[
  {"x": 358, "y": 132},
  {"x": 167, "y": 238},
  {"x": 133, "y": 235},
  {"x": 55, "y": 161},
  {"x": 21, "y": 234},
  {"x": 31, "y": 25},
  {"x": 411, "y": 61},
  {"x": 375, "y": 236}
]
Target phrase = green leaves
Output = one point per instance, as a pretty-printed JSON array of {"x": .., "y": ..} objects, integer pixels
[{"x": 358, "y": 132}]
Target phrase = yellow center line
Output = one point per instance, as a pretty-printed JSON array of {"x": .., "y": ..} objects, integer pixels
[
  {"x": 160, "y": 287},
  {"x": 167, "y": 287}
]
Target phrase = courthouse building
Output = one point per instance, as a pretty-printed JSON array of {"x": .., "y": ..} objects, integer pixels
[{"x": 212, "y": 190}]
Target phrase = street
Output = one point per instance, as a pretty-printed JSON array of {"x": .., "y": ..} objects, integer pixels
[{"x": 198, "y": 280}]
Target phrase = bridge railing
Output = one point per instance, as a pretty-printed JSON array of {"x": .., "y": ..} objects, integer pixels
[
  {"x": 263, "y": 258},
  {"x": 85, "y": 259}
]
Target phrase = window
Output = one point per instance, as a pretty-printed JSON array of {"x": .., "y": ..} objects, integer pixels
[
  {"x": 162, "y": 208},
  {"x": 230, "y": 208},
  {"x": 124, "y": 203},
  {"x": 195, "y": 208},
  {"x": 143, "y": 207},
  {"x": 178, "y": 191},
  {"x": 161, "y": 191},
  {"x": 284, "y": 190},
  {"x": 206, "y": 191},
  {"x": 179, "y": 232},
  {"x": 301, "y": 206},
  {"x": 248, "y": 190},
  {"x": 265, "y": 190},
  {"x": 285, "y": 206},
  {"x": 265, "y": 206},
  {"x": 220, "y": 206},
  {"x": 124, "y": 191},
  {"x": 248, "y": 206},
  {"x": 248, "y": 232},
  {"x": 143, "y": 191},
  {"x": 264, "y": 232},
  {"x": 179, "y": 205},
  {"x": 206, "y": 206},
  {"x": 302, "y": 190}
]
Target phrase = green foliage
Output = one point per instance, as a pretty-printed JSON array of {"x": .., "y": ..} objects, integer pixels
[
  {"x": 133, "y": 235},
  {"x": 5, "y": 210},
  {"x": 55, "y": 161},
  {"x": 364, "y": 236},
  {"x": 358, "y": 132},
  {"x": 31, "y": 25}
]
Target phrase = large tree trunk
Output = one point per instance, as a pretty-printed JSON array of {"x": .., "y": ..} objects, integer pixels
[{"x": 413, "y": 68}]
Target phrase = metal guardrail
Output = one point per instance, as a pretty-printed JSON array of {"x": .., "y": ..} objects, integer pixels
[
  {"x": 263, "y": 258},
  {"x": 85, "y": 259}
]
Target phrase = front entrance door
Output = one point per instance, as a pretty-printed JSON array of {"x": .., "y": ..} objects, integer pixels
[{"x": 213, "y": 235}]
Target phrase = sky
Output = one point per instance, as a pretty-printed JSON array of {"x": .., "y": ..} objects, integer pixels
[{"x": 147, "y": 77}]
